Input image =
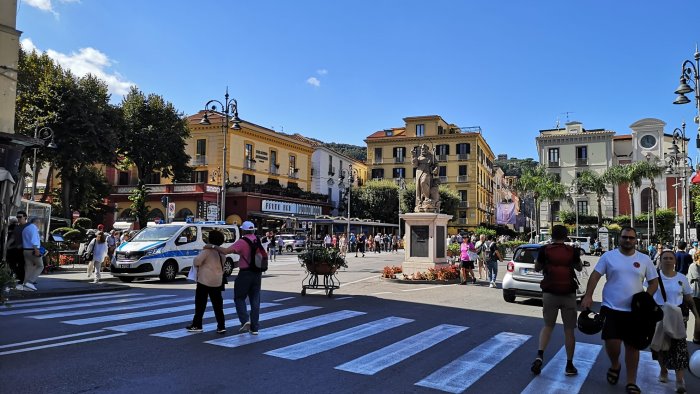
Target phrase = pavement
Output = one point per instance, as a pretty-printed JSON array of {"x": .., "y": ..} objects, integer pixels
[{"x": 68, "y": 280}]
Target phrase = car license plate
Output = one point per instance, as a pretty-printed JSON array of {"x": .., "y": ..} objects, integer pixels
[{"x": 124, "y": 265}]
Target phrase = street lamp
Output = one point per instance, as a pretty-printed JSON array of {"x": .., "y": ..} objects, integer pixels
[
  {"x": 216, "y": 177},
  {"x": 689, "y": 73},
  {"x": 678, "y": 163},
  {"x": 401, "y": 182},
  {"x": 352, "y": 174},
  {"x": 45, "y": 133},
  {"x": 229, "y": 107}
]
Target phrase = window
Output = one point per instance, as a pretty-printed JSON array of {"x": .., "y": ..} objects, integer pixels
[
  {"x": 389, "y": 133},
  {"x": 555, "y": 207},
  {"x": 377, "y": 173},
  {"x": 582, "y": 207},
  {"x": 442, "y": 150},
  {"x": 462, "y": 195},
  {"x": 420, "y": 130},
  {"x": 201, "y": 147},
  {"x": 123, "y": 178},
  {"x": 153, "y": 179},
  {"x": 249, "y": 151},
  {"x": 249, "y": 179},
  {"x": 464, "y": 148},
  {"x": 330, "y": 165},
  {"x": 553, "y": 155},
  {"x": 442, "y": 171},
  {"x": 398, "y": 172},
  {"x": 274, "y": 165},
  {"x": 340, "y": 168},
  {"x": 189, "y": 233},
  {"x": 292, "y": 185},
  {"x": 292, "y": 164},
  {"x": 200, "y": 177},
  {"x": 581, "y": 152},
  {"x": 330, "y": 196},
  {"x": 400, "y": 154},
  {"x": 229, "y": 236},
  {"x": 377, "y": 155},
  {"x": 463, "y": 170}
]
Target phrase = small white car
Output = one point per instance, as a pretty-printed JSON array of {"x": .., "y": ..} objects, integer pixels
[
  {"x": 166, "y": 250},
  {"x": 521, "y": 279}
]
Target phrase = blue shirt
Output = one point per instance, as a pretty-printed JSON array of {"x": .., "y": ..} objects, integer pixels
[{"x": 30, "y": 237}]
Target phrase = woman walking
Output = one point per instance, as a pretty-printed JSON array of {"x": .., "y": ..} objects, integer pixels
[
  {"x": 99, "y": 252},
  {"x": 694, "y": 279},
  {"x": 210, "y": 273},
  {"x": 467, "y": 265}
]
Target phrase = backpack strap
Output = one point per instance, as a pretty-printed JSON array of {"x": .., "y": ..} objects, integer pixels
[
  {"x": 253, "y": 249},
  {"x": 661, "y": 285}
]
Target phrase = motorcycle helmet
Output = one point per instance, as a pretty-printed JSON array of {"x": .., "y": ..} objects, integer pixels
[{"x": 590, "y": 325}]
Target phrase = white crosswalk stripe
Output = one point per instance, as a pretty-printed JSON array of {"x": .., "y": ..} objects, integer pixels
[
  {"x": 64, "y": 307},
  {"x": 180, "y": 333},
  {"x": 337, "y": 339},
  {"x": 552, "y": 379},
  {"x": 133, "y": 315},
  {"x": 113, "y": 308},
  {"x": 649, "y": 380},
  {"x": 29, "y": 349},
  {"x": 461, "y": 373},
  {"x": 285, "y": 329},
  {"x": 72, "y": 298},
  {"x": 376, "y": 361}
]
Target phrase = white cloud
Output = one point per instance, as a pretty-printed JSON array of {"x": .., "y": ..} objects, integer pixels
[
  {"x": 313, "y": 81},
  {"x": 43, "y": 5},
  {"x": 322, "y": 71},
  {"x": 87, "y": 61}
]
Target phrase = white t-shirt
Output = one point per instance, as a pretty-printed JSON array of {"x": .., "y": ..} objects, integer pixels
[
  {"x": 675, "y": 286},
  {"x": 624, "y": 276}
]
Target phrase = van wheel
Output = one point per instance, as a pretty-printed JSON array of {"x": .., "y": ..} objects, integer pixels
[
  {"x": 168, "y": 272},
  {"x": 289, "y": 248},
  {"x": 228, "y": 266},
  {"x": 508, "y": 297},
  {"x": 126, "y": 279}
]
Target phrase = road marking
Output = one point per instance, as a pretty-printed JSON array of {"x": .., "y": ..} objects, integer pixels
[
  {"x": 29, "y": 349},
  {"x": 349, "y": 283},
  {"x": 284, "y": 299},
  {"x": 284, "y": 329},
  {"x": 381, "y": 292},
  {"x": 50, "y": 339},
  {"x": 179, "y": 333},
  {"x": 385, "y": 357},
  {"x": 337, "y": 339},
  {"x": 144, "y": 325},
  {"x": 552, "y": 378},
  {"x": 649, "y": 379},
  {"x": 343, "y": 298},
  {"x": 114, "y": 308},
  {"x": 133, "y": 315},
  {"x": 461, "y": 373},
  {"x": 430, "y": 288},
  {"x": 69, "y": 306},
  {"x": 73, "y": 298}
]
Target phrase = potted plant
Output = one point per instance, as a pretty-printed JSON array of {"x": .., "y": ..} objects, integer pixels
[
  {"x": 322, "y": 261},
  {"x": 453, "y": 249}
]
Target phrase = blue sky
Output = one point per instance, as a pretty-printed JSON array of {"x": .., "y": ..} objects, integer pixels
[{"x": 340, "y": 70}]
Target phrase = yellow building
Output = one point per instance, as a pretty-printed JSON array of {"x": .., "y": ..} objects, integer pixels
[{"x": 464, "y": 158}]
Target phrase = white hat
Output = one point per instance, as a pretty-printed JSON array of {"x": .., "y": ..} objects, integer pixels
[{"x": 247, "y": 226}]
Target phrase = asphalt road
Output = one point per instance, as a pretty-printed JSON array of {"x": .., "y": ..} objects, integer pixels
[{"x": 371, "y": 336}]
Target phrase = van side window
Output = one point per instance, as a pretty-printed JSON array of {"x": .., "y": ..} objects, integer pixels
[
  {"x": 190, "y": 233},
  {"x": 229, "y": 234}
]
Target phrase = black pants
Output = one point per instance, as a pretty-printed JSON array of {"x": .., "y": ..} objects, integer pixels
[
  {"x": 16, "y": 259},
  {"x": 200, "y": 305}
]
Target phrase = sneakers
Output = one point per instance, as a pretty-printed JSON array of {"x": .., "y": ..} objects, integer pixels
[
  {"x": 536, "y": 366},
  {"x": 245, "y": 327},
  {"x": 570, "y": 370},
  {"x": 221, "y": 330},
  {"x": 492, "y": 284},
  {"x": 193, "y": 329},
  {"x": 95, "y": 280},
  {"x": 473, "y": 281},
  {"x": 19, "y": 287},
  {"x": 254, "y": 332},
  {"x": 29, "y": 286}
]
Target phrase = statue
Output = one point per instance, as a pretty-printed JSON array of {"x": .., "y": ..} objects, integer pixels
[{"x": 427, "y": 181}]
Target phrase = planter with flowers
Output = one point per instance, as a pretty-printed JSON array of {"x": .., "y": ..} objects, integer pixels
[{"x": 324, "y": 262}]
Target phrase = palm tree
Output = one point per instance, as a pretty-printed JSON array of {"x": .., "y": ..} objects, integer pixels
[
  {"x": 592, "y": 182},
  {"x": 554, "y": 190},
  {"x": 649, "y": 170},
  {"x": 631, "y": 174}
]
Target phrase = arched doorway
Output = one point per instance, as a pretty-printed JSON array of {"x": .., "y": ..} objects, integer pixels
[
  {"x": 125, "y": 214},
  {"x": 645, "y": 203},
  {"x": 183, "y": 214},
  {"x": 155, "y": 213}
]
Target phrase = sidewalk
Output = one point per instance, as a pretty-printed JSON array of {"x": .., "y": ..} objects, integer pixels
[{"x": 68, "y": 280}]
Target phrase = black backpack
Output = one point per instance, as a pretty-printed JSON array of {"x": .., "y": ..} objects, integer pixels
[
  {"x": 258, "y": 256},
  {"x": 493, "y": 248}
]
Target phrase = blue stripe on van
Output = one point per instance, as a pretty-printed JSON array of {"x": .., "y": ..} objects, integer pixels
[{"x": 172, "y": 253}]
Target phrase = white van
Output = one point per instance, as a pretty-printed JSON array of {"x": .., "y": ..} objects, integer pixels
[
  {"x": 583, "y": 243},
  {"x": 166, "y": 250}
]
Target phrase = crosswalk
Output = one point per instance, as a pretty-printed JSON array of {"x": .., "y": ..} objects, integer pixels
[{"x": 163, "y": 317}]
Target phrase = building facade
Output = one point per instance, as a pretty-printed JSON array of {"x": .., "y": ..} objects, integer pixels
[{"x": 465, "y": 163}]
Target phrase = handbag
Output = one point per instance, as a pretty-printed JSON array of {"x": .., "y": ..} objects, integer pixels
[
  {"x": 224, "y": 277},
  {"x": 192, "y": 275}
]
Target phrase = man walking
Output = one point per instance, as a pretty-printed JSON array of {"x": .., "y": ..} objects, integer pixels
[
  {"x": 683, "y": 259},
  {"x": 625, "y": 270},
  {"x": 248, "y": 282},
  {"x": 15, "y": 251},
  {"x": 33, "y": 262},
  {"x": 558, "y": 261},
  {"x": 493, "y": 256}
]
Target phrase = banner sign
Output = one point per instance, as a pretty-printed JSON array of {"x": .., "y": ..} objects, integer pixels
[
  {"x": 291, "y": 208},
  {"x": 505, "y": 213}
]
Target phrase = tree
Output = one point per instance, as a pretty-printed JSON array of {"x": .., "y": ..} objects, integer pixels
[
  {"x": 534, "y": 182},
  {"x": 592, "y": 182},
  {"x": 650, "y": 170},
  {"x": 552, "y": 190},
  {"x": 629, "y": 174}
]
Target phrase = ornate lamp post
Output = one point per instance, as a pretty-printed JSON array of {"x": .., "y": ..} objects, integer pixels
[
  {"x": 689, "y": 73},
  {"x": 679, "y": 163},
  {"x": 45, "y": 133},
  {"x": 352, "y": 174},
  {"x": 216, "y": 177},
  {"x": 228, "y": 108}
]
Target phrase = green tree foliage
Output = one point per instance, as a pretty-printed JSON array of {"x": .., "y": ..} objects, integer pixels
[
  {"x": 665, "y": 220},
  {"x": 515, "y": 166},
  {"x": 631, "y": 175},
  {"x": 449, "y": 199},
  {"x": 592, "y": 182},
  {"x": 377, "y": 200},
  {"x": 541, "y": 186},
  {"x": 353, "y": 151},
  {"x": 138, "y": 204}
]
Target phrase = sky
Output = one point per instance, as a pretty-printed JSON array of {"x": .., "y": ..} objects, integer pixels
[{"x": 340, "y": 70}]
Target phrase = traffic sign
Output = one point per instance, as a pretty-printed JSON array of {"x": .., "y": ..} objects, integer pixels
[
  {"x": 171, "y": 210},
  {"x": 212, "y": 212}
]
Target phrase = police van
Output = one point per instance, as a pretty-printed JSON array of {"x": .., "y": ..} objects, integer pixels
[{"x": 168, "y": 250}]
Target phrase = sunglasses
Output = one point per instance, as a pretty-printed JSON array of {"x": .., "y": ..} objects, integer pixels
[{"x": 626, "y": 237}]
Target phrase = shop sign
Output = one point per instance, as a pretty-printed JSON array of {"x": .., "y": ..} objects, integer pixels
[
  {"x": 260, "y": 155},
  {"x": 290, "y": 208}
]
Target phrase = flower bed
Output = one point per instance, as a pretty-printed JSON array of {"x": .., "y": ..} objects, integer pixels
[
  {"x": 390, "y": 272},
  {"x": 446, "y": 274}
]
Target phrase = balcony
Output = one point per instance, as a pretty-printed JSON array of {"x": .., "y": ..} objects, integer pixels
[
  {"x": 399, "y": 160},
  {"x": 553, "y": 164},
  {"x": 274, "y": 170},
  {"x": 377, "y": 179},
  {"x": 294, "y": 173},
  {"x": 441, "y": 157},
  {"x": 198, "y": 160},
  {"x": 581, "y": 161},
  {"x": 464, "y": 204},
  {"x": 443, "y": 179},
  {"x": 462, "y": 178},
  {"x": 331, "y": 171},
  {"x": 462, "y": 221},
  {"x": 378, "y": 160},
  {"x": 463, "y": 156},
  {"x": 249, "y": 164}
]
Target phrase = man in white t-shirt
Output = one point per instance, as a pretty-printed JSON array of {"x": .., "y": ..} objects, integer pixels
[{"x": 625, "y": 270}]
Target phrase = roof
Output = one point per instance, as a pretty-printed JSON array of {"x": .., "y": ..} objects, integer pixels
[
  {"x": 623, "y": 137},
  {"x": 396, "y": 132}
]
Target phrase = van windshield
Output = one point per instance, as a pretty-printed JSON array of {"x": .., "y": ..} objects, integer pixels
[{"x": 158, "y": 233}]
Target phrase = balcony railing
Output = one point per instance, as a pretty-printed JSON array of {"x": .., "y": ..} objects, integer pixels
[
  {"x": 464, "y": 204},
  {"x": 441, "y": 157},
  {"x": 463, "y": 156},
  {"x": 581, "y": 161},
  {"x": 399, "y": 159},
  {"x": 378, "y": 160},
  {"x": 377, "y": 179},
  {"x": 274, "y": 170},
  {"x": 249, "y": 164},
  {"x": 462, "y": 178},
  {"x": 553, "y": 164},
  {"x": 462, "y": 221},
  {"x": 294, "y": 173},
  {"x": 199, "y": 160},
  {"x": 443, "y": 179}
]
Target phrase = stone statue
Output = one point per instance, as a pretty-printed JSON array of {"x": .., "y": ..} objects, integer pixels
[{"x": 427, "y": 181}]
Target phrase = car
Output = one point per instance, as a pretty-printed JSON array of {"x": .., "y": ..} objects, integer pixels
[
  {"x": 292, "y": 242},
  {"x": 521, "y": 279}
]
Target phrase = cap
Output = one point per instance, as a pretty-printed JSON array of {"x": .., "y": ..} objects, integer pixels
[
  {"x": 247, "y": 226},
  {"x": 100, "y": 227}
]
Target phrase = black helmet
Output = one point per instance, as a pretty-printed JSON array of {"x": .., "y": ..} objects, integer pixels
[{"x": 590, "y": 325}]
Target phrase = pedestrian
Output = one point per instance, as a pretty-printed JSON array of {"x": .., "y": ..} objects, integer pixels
[
  {"x": 248, "y": 282},
  {"x": 625, "y": 270},
  {"x": 280, "y": 244},
  {"x": 334, "y": 241},
  {"x": 378, "y": 243},
  {"x": 100, "y": 249},
  {"x": 112, "y": 244},
  {"x": 683, "y": 259},
  {"x": 480, "y": 247},
  {"x": 493, "y": 256},
  {"x": 395, "y": 243},
  {"x": 210, "y": 273},
  {"x": 327, "y": 241},
  {"x": 557, "y": 261},
  {"x": 270, "y": 247},
  {"x": 33, "y": 261},
  {"x": 674, "y": 289},
  {"x": 343, "y": 245},
  {"x": 693, "y": 249},
  {"x": 652, "y": 251},
  {"x": 370, "y": 243},
  {"x": 353, "y": 244},
  {"x": 361, "y": 244},
  {"x": 15, "y": 254},
  {"x": 694, "y": 279},
  {"x": 466, "y": 263}
]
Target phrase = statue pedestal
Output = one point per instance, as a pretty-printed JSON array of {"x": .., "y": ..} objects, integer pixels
[{"x": 425, "y": 241}]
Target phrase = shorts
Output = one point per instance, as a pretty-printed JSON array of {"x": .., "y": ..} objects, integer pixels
[
  {"x": 553, "y": 303},
  {"x": 618, "y": 325},
  {"x": 467, "y": 264}
]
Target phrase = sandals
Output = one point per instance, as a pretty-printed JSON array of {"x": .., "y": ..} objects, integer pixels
[
  {"x": 633, "y": 389},
  {"x": 614, "y": 375}
]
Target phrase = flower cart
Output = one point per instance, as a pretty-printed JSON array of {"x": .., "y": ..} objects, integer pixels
[{"x": 321, "y": 265}]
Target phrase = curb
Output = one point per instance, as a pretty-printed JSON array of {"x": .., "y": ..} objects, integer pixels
[
  {"x": 423, "y": 282},
  {"x": 24, "y": 295}
]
